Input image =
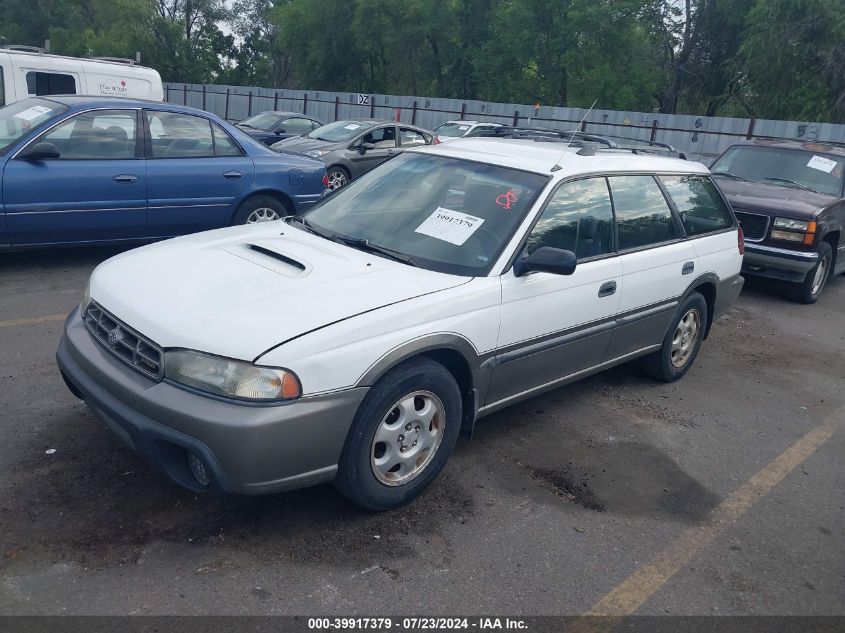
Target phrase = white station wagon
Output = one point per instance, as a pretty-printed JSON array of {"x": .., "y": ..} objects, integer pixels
[{"x": 353, "y": 343}]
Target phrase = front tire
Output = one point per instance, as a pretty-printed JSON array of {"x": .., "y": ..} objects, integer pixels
[
  {"x": 401, "y": 437},
  {"x": 809, "y": 290},
  {"x": 258, "y": 209},
  {"x": 337, "y": 177},
  {"x": 682, "y": 341}
]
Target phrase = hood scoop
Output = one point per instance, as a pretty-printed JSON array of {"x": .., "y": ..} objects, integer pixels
[{"x": 271, "y": 259}]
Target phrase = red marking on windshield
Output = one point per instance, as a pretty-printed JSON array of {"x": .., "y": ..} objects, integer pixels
[{"x": 507, "y": 199}]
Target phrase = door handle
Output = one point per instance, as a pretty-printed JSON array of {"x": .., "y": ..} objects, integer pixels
[
  {"x": 125, "y": 179},
  {"x": 608, "y": 288},
  {"x": 688, "y": 268},
  {"x": 232, "y": 175}
]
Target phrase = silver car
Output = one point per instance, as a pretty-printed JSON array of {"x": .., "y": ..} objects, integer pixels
[{"x": 351, "y": 148}]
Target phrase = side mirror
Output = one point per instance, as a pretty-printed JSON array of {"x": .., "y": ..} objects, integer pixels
[
  {"x": 546, "y": 259},
  {"x": 41, "y": 151},
  {"x": 280, "y": 131},
  {"x": 366, "y": 147}
]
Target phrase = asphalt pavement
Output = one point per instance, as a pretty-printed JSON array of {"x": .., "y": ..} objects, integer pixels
[{"x": 719, "y": 494}]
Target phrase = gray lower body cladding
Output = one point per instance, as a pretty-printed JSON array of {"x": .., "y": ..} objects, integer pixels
[{"x": 247, "y": 449}]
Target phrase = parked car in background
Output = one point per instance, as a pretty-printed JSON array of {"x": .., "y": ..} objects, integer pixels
[
  {"x": 451, "y": 130},
  {"x": 445, "y": 285},
  {"x": 351, "y": 148},
  {"x": 789, "y": 198},
  {"x": 26, "y": 71},
  {"x": 100, "y": 169},
  {"x": 272, "y": 127}
]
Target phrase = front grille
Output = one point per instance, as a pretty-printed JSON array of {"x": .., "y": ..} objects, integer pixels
[
  {"x": 124, "y": 342},
  {"x": 754, "y": 225}
]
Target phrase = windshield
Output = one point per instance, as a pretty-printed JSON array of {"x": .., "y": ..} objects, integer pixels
[
  {"x": 263, "y": 121},
  {"x": 448, "y": 215},
  {"x": 339, "y": 131},
  {"x": 452, "y": 129},
  {"x": 785, "y": 167},
  {"x": 21, "y": 118}
]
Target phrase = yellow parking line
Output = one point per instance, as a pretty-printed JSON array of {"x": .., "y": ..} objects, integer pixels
[
  {"x": 34, "y": 320},
  {"x": 631, "y": 593}
]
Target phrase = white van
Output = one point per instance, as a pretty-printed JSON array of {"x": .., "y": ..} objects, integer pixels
[{"x": 30, "y": 72}]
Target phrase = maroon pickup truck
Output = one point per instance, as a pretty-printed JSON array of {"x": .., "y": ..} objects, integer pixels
[{"x": 789, "y": 198}]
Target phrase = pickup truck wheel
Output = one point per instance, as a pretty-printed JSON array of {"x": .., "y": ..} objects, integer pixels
[
  {"x": 809, "y": 290},
  {"x": 401, "y": 437},
  {"x": 259, "y": 209},
  {"x": 682, "y": 341}
]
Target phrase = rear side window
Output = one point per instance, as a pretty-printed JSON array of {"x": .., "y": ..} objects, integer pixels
[
  {"x": 408, "y": 137},
  {"x": 699, "y": 204},
  {"x": 223, "y": 143},
  {"x": 577, "y": 218},
  {"x": 643, "y": 216},
  {"x": 297, "y": 126},
  {"x": 175, "y": 135},
  {"x": 39, "y": 84}
]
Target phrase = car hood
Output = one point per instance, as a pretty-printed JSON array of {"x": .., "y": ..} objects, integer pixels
[
  {"x": 772, "y": 199},
  {"x": 240, "y": 291},
  {"x": 303, "y": 144}
]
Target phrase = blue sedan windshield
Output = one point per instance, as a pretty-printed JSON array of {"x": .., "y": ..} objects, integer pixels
[{"x": 19, "y": 119}]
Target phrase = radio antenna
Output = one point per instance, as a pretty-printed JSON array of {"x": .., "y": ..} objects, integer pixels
[{"x": 571, "y": 136}]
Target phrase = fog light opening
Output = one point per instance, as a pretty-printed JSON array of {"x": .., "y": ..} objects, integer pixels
[{"x": 198, "y": 469}]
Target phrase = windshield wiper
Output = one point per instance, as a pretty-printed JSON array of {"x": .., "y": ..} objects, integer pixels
[
  {"x": 729, "y": 175},
  {"x": 365, "y": 245},
  {"x": 305, "y": 224},
  {"x": 794, "y": 183}
]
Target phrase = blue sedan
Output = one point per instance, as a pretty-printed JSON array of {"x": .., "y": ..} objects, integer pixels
[{"x": 92, "y": 170}]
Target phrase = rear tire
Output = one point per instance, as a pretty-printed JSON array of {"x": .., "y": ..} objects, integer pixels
[
  {"x": 260, "y": 208},
  {"x": 681, "y": 343},
  {"x": 401, "y": 437},
  {"x": 809, "y": 290}
]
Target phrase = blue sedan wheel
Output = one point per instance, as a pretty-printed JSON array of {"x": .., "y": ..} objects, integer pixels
[{"x": 260, "y": 209}]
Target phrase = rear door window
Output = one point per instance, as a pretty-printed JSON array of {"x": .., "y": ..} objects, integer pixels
[
  {"x": 699, "y": 204},
  {"x": 175, "y": 135},
  {"x": 643, "y": 217},
  {"x": 409, "y": 137},
  {"x": 41, "y": 83}
]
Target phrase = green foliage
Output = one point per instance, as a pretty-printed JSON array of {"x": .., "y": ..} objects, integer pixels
[{"x": 767, "y": 58}]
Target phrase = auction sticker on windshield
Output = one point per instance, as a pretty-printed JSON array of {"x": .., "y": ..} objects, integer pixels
[
  {"x": 822, "y": 164},
  {"x": 32, "y": 113},
  {"x": 450, "y": 226}
]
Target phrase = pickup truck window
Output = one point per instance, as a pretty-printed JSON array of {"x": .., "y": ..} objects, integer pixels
[{"x": 700, "y": 206}]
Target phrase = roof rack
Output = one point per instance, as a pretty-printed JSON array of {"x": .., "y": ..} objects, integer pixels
[
  {"x": 116, "y": 60},
  {"x": 589, "y": 143},
  {"x": 23, "y": 48}
]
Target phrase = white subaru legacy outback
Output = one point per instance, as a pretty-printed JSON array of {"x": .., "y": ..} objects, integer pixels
[{"x": 354, "y": 342}]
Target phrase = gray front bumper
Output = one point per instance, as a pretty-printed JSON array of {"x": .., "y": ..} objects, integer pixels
[
  {"x": 251, "y": 449},
  {"x": 778, "y": 263}
]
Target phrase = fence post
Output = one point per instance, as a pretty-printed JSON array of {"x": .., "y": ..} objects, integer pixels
[
  {"x": 654, "y": 129},
  {"x": 249, "y": 105},
  {"x": 305, "y": 103},
  {"x": 414, "y": 114},
  {"x": 584, "y": 125},
  {"x": 336, "y": 106},
  {"x": 463, "y": 109},
  {"x": 276, "y": 101},
  {"x": 184, "y": 94},
  {"x": 750, "y": 134},
  {"x": 226, "y": 115},
  {"x": 203, "y": 97},
  {"x": 167, "y": 93},
  {"x": 515, "y": 118},
  {"x": 372, "y": 107}
]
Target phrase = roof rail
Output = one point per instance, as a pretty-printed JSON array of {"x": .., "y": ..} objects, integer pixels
[
  {"x": 589, "y": 143},
  {"x": 116, "y": 60}
]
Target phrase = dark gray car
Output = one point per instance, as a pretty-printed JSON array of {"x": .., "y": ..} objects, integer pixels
[{"x": 351, "y": 148}]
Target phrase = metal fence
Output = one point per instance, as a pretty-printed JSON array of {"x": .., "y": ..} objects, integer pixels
[{"x": 699, "y": 137}]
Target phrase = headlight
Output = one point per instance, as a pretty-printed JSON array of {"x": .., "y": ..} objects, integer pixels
[
  {"x": 230, "y": 378},
  {"x": 316, "y": 153},
  {"x": 792, "y": 225},
  {"x": 86, "y": 297}
]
